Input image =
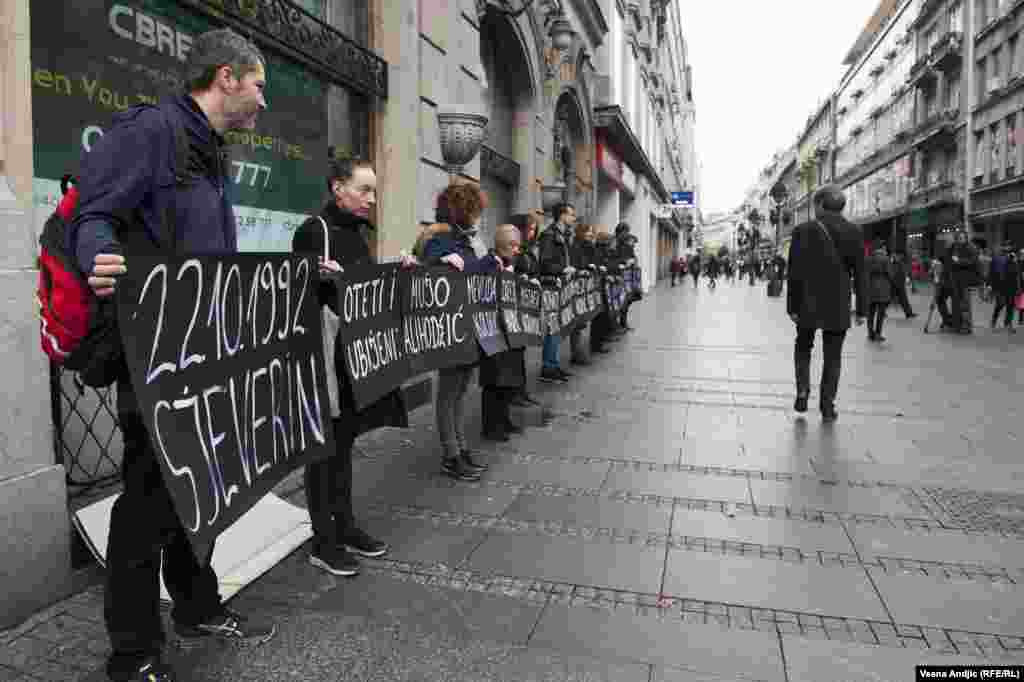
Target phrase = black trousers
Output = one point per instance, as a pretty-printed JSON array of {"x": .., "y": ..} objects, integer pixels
[
  {"x": 876, "y": 318},
  {"x": 904, "y": 300},
  {"x": 494, "y": 408},
  {"x": 600, "y": 327},
  {"x": 831, "y": 367},
  {"x": 329, "y": 490},
  {"x": 1004, "y": 300},
  {"x": 144, "y": 526}
]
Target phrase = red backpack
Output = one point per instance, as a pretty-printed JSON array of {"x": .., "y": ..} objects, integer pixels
[{"x": 77, "y": 330}]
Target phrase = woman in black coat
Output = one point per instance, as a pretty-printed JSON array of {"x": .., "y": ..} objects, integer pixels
[
  {"x": 503, "y": 375},
  {"x": 880, "y": 290},
  {"x": 329, "y": 483}
]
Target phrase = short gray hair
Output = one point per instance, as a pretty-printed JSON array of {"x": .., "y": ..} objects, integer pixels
[
  {"x": 214, "y": 49},
  {"x": 830, "y": 198}
]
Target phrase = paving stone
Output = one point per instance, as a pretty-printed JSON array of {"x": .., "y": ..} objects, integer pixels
[
  {"x": 844, "y": 592},
  {"x": 465, "y": 615},
  {"x": 993, "y": 608},
  {"x": 835, "y": 498},
  {"x": 558, "y": 472},
  {"x": 413, "y": 540},
  {"x": 680, "y": 484},
  {"x": 597, "y": 513},
  {"x": 810, "y": 537},
  {"x": 826, "y": 661},
  {"x": 617, "y": 566},
  {"x": 663, "y": 642},
  {"x": 940, "y": 546}
]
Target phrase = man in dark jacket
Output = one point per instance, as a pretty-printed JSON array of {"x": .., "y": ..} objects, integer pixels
[
  {"x": 555, "y": 262},
  {"x": 961, "y": 272},
  {"x": 825, "y": 254},
  {"x": 899, "y": 280},
  {"x": 132, "y": 169}
]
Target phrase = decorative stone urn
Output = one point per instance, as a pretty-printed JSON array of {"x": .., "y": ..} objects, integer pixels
[
  {"x": 461, "y": 137},
  {"x": 550, "y": 195}
]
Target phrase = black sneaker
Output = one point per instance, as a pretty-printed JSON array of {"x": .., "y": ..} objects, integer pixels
[
  {"x": 362, "y": 543},
  {"x": 457, "y": 469},
  {"x": 565, "y": 375},
  {"x": 153, "y": 670},
  {"x": 472, "y": 463},
  {"x": 335, "y": 560},
  {"x": 228, "y": 626},
  {"x": 829, "y": 414},
  {"x": 601, "y": 351},
  {"x": 550, "y": 376},
  {"x": 800, "y": 404},
  {"x": 512, "y": 428}
]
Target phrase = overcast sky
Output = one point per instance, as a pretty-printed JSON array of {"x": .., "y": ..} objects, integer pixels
[{"x": 759, "y": 68}]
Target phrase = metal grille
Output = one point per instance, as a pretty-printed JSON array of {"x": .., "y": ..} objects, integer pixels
[{"x": 87, "y": 437}]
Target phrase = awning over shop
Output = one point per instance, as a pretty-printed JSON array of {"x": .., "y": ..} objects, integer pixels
[{"x": 613, "y": 131}]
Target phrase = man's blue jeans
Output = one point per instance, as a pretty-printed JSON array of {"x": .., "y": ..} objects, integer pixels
[{"x": 551, "y": 354}]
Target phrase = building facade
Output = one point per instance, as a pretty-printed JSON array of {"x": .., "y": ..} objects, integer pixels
[
  {"x": 589, "y": 99},
  {"x": 997, "y": 184},
  {"x": 645, "y": 119}
]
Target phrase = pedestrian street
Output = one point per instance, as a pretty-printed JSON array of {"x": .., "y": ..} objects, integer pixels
[{"x": 667, "y": 517}]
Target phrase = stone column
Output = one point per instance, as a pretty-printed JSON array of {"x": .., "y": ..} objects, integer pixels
[
  {"x": 35, "y": 562},
  {"x": 394, "y": 34}
]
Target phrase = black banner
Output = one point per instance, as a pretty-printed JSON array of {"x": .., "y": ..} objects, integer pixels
[
  {"x": 594, "y": 300},
  {"x": 226, "y": 360},
  {"x": 508, "y": 310},
  {"x": 531, "y": 320},
  {"x": 483, "y": 305},
  {"x": 372, "y": 342},
  {"x": 551, "y": 306},
  {"x": 437, "y": 324},
  {"x": 566, "y": 308}
]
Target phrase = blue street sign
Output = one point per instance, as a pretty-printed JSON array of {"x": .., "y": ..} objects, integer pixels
[{"x": 682, "y": 199}]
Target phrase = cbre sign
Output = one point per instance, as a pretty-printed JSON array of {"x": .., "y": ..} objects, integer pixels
[{"x": 682, "y": 199}]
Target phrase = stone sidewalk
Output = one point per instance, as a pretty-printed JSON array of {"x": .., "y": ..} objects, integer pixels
[{"x": 669, "y": 519}]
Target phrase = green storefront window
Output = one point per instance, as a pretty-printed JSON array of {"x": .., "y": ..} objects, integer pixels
[{"x": 314, "y": 7}]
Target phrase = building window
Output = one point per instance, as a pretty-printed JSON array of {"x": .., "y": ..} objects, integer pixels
[
  {"x": 956, "y": 17},
  {"x": 1011, "y": 57},
  {"x": 979, "y": 156},
  {"x": 953, "y": 94},
  {"x": 993, "y": 136},
  {"x": 981, "y": 87},
  {"x": 1011, "y": 145},
  {"x": 996, "y": 67}
]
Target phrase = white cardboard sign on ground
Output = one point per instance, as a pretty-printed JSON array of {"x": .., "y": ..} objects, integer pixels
[{"x": 260, "y": 539}]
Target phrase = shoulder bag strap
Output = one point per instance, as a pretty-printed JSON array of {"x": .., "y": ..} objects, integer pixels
[
  {"x": 327, "y": 238},
  {"x": 828, "y": 236}
]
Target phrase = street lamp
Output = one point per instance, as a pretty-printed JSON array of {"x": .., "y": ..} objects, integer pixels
[{"x": 779, "y": 195}]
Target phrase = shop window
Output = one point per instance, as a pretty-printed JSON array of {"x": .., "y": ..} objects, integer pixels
[{"x": 314, "y": 7}]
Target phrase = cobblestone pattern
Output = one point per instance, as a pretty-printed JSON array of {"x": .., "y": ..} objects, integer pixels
[
  {"x": 926, "y": 522},
  {"x": 560, "y": 529},
  {"x": 697, "y": 611},
  {"x": 972, "y": 510}
]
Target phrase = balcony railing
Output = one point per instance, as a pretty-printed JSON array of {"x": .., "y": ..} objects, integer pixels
[{"x": 945, "y": 190}]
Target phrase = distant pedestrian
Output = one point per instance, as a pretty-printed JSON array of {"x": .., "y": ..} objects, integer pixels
[
  {"x": 880, "y": 289},
  {"x": 694, "y": 267},
  {"x": 1005, "y": 280},
  {"x": 824, "y": 255},
  {"x": 899, "y": 280}
]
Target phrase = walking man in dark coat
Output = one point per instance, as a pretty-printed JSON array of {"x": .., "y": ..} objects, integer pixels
[{"x": 825, "y": 254}]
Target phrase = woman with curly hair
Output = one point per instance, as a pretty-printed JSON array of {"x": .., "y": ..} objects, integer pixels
[{"x": 449, "y": 242}]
